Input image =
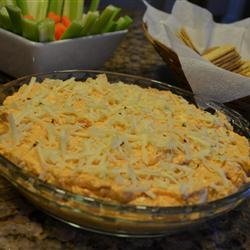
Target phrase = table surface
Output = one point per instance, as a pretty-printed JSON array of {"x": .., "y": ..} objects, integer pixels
[{"x": 24, "y": 227}]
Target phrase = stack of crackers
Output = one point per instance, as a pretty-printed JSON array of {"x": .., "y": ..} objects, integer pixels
[
  {"x": 225, "y": 56},
  {"x": 228, "y": 58}
]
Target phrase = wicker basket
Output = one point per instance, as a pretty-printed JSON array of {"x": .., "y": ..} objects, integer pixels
[
  {"x": 173, "y": 63},
  {"x": 170, "y": 57}
]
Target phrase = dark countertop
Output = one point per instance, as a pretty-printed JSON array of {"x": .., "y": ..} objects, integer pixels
[{"x": 24, "y": 227}]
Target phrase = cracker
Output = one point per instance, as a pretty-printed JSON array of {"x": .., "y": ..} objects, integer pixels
[
  {"x": 209, "y": 50},
  {"x": 186, "y": 41},
  {"x": 183, "y": 35},
  {"x": 245, "y": 66},
  {"x": 245, "y": 71},
  {"x": 231, "y": 66},
  {"x": 228, "y": 62},
  {"x": 219, "y": 52},
  {"x": 226, "y": 58}
]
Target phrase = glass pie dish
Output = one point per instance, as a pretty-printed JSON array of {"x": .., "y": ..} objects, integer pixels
[{"x": 111, "y": 218}]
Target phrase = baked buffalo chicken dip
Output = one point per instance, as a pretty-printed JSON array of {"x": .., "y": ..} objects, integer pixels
[{"x": 122, "y": 143}]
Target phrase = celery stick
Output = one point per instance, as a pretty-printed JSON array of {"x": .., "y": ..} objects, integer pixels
[
  {"x": 104, "y": 18},
  {"x": 15, "y": 15},
  {"x": 30, "y": 29},
  {"x": 110, "y": 23},
  {"x": 74, "y": 30},
  {"x": 56, "y": 6},
  {"x": 5, "y": 21},
  {"x": 123, "y": 23},
  {"x": 23, "y": 5},
  {"x": 38, "y": 8},
  {"x": 94, "y": 4},
  {"x": 89, "y": 19},
  {"x": 73, "y": 9},
  {"x": 46, "y": 30},
  {"x": 3, "y": 3},
  {"x": 84, "y": 18},
  {"x": 111, "y": 27},
  {"x": 10, "y": 2}
]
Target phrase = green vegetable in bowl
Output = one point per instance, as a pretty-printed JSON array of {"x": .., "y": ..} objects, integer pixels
[
  {"x": 88, "y": 21},
  {"x": 30, "y": 29},
  {"x": 123, "y": 22},
  {"x": 73, "y": 9},
  {"x": 46, "y": 29},
  {"x": 94, "y": 5},
  {"x": 103, "y": 22},
  {"x": 35, "y": 8},
  {"x": 56, "y": 6},
  {"x": 5, "y": 21},
  {"x": 15, "y": 15},
  {"x": 48, "y": 20},
  {"x": 74, "y": 30}
]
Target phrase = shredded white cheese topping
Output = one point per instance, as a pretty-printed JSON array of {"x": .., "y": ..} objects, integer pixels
[{"x": 123, "y": 142}]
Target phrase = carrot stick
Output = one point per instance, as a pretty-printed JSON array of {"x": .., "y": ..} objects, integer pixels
[
  {"x": 59, "y": 30},
  {"x": 65, "y": 21},
  {"x": 53, "y": 16}
]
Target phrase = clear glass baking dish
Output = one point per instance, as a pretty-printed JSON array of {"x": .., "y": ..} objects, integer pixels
[{"x": 109, "y": 218}]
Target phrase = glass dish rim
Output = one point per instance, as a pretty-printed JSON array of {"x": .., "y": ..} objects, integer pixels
[{"x": 186, "y": 209}]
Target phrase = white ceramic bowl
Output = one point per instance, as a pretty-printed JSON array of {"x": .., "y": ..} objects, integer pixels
[{"x": 20, "y": 56}]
